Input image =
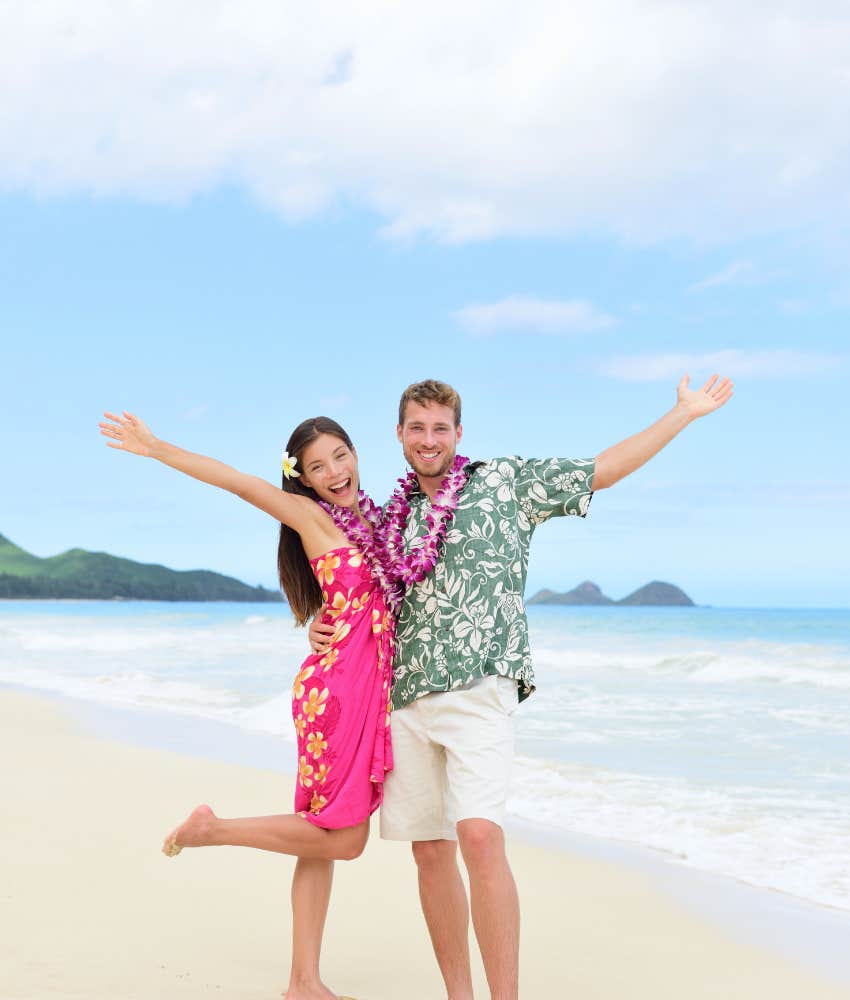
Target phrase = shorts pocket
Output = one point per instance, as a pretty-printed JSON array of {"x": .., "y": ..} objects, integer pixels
[{"x": 508, "y": 693}]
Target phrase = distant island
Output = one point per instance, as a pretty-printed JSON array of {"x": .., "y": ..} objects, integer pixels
[
  {"x": 100, "y": 576},
  {"x": 655, "y": 594}
]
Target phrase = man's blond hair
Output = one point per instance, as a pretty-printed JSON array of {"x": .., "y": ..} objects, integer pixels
[{"x": 429, "y": 391}]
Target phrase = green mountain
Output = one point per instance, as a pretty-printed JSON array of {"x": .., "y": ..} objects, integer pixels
[
  {"x": 98, "y": 575},
  {"x": 655, "y": 594}
]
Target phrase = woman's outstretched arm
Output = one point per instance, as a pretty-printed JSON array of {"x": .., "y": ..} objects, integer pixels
[{"x": 131, "y": 434}]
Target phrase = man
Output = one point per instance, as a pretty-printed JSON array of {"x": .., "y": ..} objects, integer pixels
[{"x": 462, "y": 664}]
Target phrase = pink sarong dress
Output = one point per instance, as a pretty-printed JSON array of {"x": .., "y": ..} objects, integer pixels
[{"x": 341, "y": 699}]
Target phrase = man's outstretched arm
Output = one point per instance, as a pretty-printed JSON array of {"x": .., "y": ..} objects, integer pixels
[{"x": 621, "y": 459}]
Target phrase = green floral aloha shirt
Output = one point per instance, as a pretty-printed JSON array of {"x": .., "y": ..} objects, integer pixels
[{"x": 466, "y": 619}]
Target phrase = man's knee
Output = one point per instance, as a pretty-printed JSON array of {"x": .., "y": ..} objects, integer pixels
[
  {"x": 431, "y": 855},
  {"x": 481, "y": 840}
]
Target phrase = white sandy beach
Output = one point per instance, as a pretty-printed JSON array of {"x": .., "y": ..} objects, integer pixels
[{"x": 91, "y": 909}]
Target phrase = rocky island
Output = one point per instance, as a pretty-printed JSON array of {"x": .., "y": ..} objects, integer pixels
[{"x": 654, "y": 594}]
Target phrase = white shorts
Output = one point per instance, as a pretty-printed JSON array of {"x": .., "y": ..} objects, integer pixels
[{"x": 452, "y": 754}]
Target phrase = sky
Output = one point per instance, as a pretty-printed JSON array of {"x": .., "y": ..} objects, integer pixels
[{"x": 227, "y": 217}]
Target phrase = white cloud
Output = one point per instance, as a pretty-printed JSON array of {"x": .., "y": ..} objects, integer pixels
[
  {"x": 739, "y": 272},
  {"x": 518, "y": 312},
  {"x": 734, "y": 363},
  {"x": 341, "y": 69},
  {"x": 708, "y": 119}
]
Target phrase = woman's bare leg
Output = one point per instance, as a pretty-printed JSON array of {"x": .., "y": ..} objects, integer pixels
[
  {"x": 285, "y": 834},
  {"x": 311, "y": 892}
]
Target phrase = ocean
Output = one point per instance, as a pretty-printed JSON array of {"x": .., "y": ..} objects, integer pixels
[{"x": 719, "y": 737}]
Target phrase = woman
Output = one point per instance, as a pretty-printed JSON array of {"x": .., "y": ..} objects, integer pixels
[{"x": 326, "y": 554}]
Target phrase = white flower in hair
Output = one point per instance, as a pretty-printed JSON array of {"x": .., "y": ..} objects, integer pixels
[{"x": 289, "y": 466}]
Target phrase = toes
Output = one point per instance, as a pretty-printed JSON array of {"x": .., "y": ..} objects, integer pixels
[{"x": 170, "y": 847}]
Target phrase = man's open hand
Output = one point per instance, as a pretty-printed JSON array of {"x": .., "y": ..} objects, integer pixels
[{"x": 698, "y": 402}]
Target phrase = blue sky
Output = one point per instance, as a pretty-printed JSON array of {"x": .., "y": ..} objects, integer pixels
[{"x": 228, "y": 238}]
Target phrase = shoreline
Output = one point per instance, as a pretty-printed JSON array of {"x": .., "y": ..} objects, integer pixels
[
  {"x": 221, "y": 741},
  {"x": 759, "y": 926},
  {"x": 811, "y": 933},
  {"x": 541, "y": 604}
]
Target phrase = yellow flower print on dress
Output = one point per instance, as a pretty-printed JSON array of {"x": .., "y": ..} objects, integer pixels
[
  {"x": 315, "y": 704},
  {"x": 317, "y": 803},
  {"x": 298, "y": 684},
  {"x": 305, "y": 772},
  {"x": 342, "y": 706},
  {"x": 316, "y": 744},
  {"x": 342, "y": 630},
  {"x": 326, "y": 565},
  {"x": 322, "y": 773},
  {"x": 338, "y": 606},
  {"x": 377, "y": 622},
  {"x": 329, "y": 659}
]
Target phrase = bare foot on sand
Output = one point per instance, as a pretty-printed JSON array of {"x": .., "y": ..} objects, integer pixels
[
  {"x": 196, "y": 831},
  {"x": 311, "y": 991}
]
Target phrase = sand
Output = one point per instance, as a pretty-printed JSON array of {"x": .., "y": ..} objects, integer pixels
[{"x": 91, "y": 908}]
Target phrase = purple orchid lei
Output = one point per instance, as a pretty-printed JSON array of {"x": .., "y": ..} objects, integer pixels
[
  {"x": 364, "y": 533},
  {"x": 378, "y": 534},
  {"x": 413, "y": 566}
]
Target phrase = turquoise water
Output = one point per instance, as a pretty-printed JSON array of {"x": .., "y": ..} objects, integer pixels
[{"x": 719, "y": 736}]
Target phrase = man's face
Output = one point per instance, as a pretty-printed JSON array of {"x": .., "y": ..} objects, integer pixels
[{"x": 429, "y": 439}]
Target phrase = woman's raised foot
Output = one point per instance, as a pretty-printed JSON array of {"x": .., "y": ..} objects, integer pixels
[{"x": 196, "y": 831}]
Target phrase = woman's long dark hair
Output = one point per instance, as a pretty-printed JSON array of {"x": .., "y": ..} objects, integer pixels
[{"x": 293, "y": 567}]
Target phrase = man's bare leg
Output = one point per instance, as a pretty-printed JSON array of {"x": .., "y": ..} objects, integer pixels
[
  {"x": 443, "y": 897},
  {"x": 495, "y": 905},
  {"x": 286, "y": 834},
  {"x": 311, "y": 892}
]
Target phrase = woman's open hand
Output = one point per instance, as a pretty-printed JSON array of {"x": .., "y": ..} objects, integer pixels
[{"x": 128, "y": 433}]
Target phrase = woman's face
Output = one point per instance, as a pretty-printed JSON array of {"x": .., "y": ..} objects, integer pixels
[{"x": 329, "y": 467}]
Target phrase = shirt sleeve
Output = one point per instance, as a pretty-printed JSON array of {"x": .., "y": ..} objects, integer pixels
[{"x": 554, "y": 487}]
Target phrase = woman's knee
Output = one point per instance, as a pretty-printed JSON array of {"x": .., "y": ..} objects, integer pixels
[{"x": 354, "y": 843}]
